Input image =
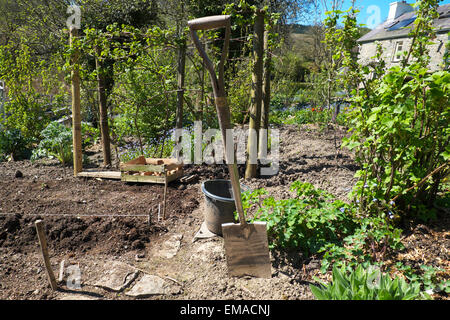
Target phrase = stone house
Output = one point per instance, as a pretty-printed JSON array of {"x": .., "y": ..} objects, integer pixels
[{"x": 393, "y": 36}]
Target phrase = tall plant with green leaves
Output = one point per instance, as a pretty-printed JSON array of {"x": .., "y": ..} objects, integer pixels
[
  {"x": 25, "y": 108},
  {"x": 400, "y": 128},
  {"x": 56, "y": 142},
  {"x": 341, "y": 60},
  {"x": 309, "y": 221}
]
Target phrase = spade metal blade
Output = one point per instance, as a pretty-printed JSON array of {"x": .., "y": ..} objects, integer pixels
[{"x": 247, "y": 249}]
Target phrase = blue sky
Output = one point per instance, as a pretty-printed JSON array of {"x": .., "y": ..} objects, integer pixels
[{"x": 369, "y": 17}]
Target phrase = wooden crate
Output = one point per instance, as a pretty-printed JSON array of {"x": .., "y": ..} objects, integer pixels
[{"x": 150, "y": 170}]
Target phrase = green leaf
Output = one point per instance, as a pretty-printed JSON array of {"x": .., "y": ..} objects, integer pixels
[{"x": 318, "y": 293}]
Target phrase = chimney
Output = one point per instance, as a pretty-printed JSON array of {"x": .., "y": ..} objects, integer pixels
[{"x": 398, "y": 8}]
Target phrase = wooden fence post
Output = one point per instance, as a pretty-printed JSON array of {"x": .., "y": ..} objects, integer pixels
[{"x": 76, "y": 108}]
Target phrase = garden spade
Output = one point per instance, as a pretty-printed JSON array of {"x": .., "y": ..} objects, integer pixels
[{"x": 246, "y": 244}]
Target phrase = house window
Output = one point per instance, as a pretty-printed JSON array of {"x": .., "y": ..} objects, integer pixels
[{"x": 398, "y": 51}]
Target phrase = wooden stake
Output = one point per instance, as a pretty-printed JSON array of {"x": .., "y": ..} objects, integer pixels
[
  {"x": 165, "y": 194},
  {"x": 149, "y": 219},
  {"x": 61, "y": 271},
  {"x": 43, "y": 243},
  {"x": 76, "y": 109}
]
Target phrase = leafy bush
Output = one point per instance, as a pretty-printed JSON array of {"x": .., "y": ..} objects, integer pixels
[
  {"x": 400, "y": 127},
  {"x": 26, "y": 108},
  {"x": 132, "y": 151},
  {"x": 90, "y": 135},
  {"x": 289, "y": 73},
  {"x": 366, "y": 284},
  {"x": 316, "y": 222},
  {"x": 371, "y": 242},
  {"x": 397, "y": 153},
  {"x": 56, "y": 142},
  {"x": 431, "y": 279},
  {"x": 309, "y": 221},
  {"x": 142, "y": 97},
  {"x": 313, "y": 115},
  {"x": 240, "y": 78},
  {"x": 281, "y": 117},
  {"x": 12, "y": 144},
  {"x": 302, "y": 116}
]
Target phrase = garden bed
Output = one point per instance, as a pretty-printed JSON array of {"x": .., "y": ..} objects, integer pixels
[{"x": 91, "y": 222}]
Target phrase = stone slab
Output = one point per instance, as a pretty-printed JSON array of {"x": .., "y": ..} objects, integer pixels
[
  {"x": 170, "y": 247},
  {"x": 117, "y": 277},
  {"x": 148, "y": 285}
]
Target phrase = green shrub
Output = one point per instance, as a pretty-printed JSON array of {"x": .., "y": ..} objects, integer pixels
[
  {"x": 366, "y": 284},
  {"x": 400, "y": 126},
  {"x": 302, "y": 116},
  {"x": 399, "y": 143},
  {"x": 309, "y": 221},
  {"x": 315, "y": 222},
  {"x": 56, "y": 142},
  {"x": 281, "y": 117},
  {"x": 12, "y": 144},
  {"x": 90, "y": 135},
  {"x": 430, "y": 278},
  {"x": 372, "y": 241},
  {"x": 313, "y": 115},
  {"x": 132, "y": 151}
]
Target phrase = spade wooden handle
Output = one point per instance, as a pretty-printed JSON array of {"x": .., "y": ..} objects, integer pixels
[
  {"x": 223, "y": 111},
  {"x": 208, "y": 23}
]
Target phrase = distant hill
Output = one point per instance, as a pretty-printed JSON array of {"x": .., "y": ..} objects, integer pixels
[
  {"x": 299, "y": 28},
  {"x": 305, "y": 40},
  {"x": 306, "y": 29}
]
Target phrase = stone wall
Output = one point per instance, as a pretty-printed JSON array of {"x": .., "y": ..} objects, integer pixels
[{"x": 437, "y": 50}]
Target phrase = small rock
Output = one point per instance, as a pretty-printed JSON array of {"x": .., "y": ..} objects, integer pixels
[
  {"x": 170, "y": 247},
  {"x": 77, "y": 297}
]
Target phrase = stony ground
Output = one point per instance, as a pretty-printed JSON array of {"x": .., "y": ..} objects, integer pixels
[{"x": 109, "y": 232}]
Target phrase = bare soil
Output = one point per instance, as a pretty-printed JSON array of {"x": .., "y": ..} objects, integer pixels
[{"x": 93, "y": 222}]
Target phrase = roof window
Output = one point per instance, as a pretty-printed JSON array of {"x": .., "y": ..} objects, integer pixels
[{"x": 402, "y": 24}]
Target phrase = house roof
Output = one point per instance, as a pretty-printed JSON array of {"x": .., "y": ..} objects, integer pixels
[{"x": 392, "y": 29}]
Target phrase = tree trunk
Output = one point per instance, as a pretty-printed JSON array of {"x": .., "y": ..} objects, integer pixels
[
  {"x": 266, "y": 95},
  {"x": 255, "y": 113},
  {"x": 180, "y": 78},
  {"x": 104, "y": 127},
  {"x": 201, "y": 97}
]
